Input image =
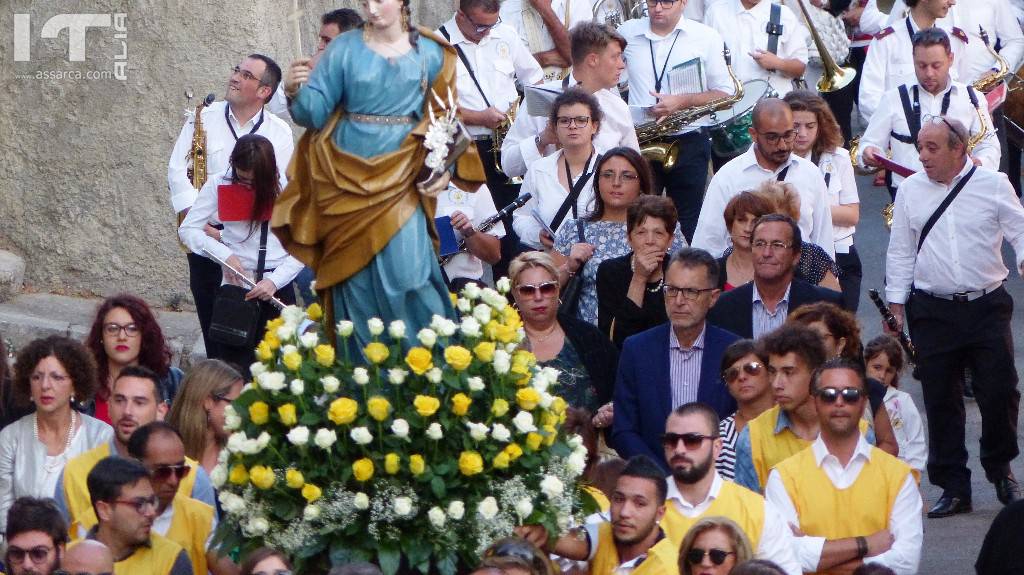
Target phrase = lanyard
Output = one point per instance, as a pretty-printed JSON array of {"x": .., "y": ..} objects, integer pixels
[
  {"x": 658, "y": 77},
  {"x": 232, "y": 128},
  {"x": 583, "y": 174}
]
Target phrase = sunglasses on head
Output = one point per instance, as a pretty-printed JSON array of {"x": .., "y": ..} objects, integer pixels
[
  {"x": 164, "y": 472},
  {"x": 38, "y": 554},
  {"x": 690, "y": 440},
  {"x": 733, "y": 373},
  {"x": 696, "y": 555},
  {"x": 546, "y": 289},
  {"x": 831, "y": 394}
]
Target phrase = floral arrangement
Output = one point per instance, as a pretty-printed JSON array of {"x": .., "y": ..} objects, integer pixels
[
  {"x": 417, "y": 454},
  {"x": 446, "y": 138}
]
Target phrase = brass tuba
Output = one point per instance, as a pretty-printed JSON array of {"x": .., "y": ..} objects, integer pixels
[{"x": 834, "y": 78}]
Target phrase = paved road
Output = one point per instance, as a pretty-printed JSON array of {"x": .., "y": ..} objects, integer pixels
[{"x": 950, "y": 545}]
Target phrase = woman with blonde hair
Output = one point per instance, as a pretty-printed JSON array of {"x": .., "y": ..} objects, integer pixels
[
  {"x": 713, "y": 546},
  {"x": 198, "y": 411}
]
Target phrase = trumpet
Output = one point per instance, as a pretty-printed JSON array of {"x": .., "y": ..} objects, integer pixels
[{"x": 834, "y": 78}]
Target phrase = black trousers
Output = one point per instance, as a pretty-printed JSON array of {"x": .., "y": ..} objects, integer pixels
[
  {"x": 242, "y": 357},
  {"x": 950, "y": 336},
  {"x": 204, "y": 277},
  {"x": 503, "y": 194},
  {"x": 842, "y": 101},
  {"x": 849, "y": 281},
  {"x": 685, "y": 183}
]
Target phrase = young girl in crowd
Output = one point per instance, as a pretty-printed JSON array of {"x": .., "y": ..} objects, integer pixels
[{"x": 884, "y": 358}]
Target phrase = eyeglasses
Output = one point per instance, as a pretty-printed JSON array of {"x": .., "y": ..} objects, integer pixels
[
  {"x": 546, "y": 289},
  {"x": 63, "y": 572},
  {"x": 129, "y": 329},
  {"x": 141, "y": 504},
  {"x": 930, "y": 119},
  {"x": 774, "y": 245},
  {"x": 774, "y": 137},
  {"x": 246, "y": 74},
  {"x": 664, "y": 3},
  {"x": 579, "y": 121},
  {"x": 164, "y": 472},
  {"x": 480, "y": 28},
  {"x": 38, "y": 554},
  {"x": 625, "y": 176},
  {"x": 718, "y": 556},
  {"x": 831, "y": 394},
  {"x": 733, "y": 373},
  {"x": 689, "y": 294},
  {"x": 690, "y": 440}
]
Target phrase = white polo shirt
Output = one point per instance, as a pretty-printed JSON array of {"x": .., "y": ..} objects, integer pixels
[{"x": 478, "y": 207}]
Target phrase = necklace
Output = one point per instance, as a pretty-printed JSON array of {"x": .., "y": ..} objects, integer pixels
[
  {"x": 62, "y": 458},
  {"x": 655, "y": 286},
  {"x": 546, "y": 336}
]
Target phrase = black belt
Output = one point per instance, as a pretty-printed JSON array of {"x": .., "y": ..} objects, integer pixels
[{"x": 962, "y": 296}]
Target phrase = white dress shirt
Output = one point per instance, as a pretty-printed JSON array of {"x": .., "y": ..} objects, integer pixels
[
  {"x": 907, "y": 427},
  {"x": 477, "y": 207},
  {"x": 746, "y": 31},
  {"x": 162, "y": 524},
  {"x": 742, "y": 174},
  {"x": 278, "y": 104},
  {"x": 905, "y": 522},
  {"x": 837, "y": 170},
  {"x": 890, "y": 63},
  {"x": 963, "y": 251},
  {"x": 890, "y": 117},
  {"x": 999, "y": 20},
  {"x": 873, "y": 20},
  {"x": 776, "y": 543},
  {"x": 519, "y": 148},
  {"x": 220, "y": 141},
  {"x": 548, "y": 194},
  {"x": 498, "y": 61},
  {"x": 529, "y": 26},
  {"x": 695, "y": 40},
  {"x": 235, "y": 238}
]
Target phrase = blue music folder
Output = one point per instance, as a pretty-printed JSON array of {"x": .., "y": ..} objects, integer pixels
[{"x": 446, "y": 233}]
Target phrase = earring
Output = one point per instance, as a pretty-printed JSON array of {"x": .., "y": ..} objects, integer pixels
[{"x": 405, "y": 18}]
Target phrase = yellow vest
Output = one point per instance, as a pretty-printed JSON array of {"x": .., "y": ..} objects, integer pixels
[
  {"x": 662, "y": 557},
  {"x": 599, "y": 497},
  {"x": 860, "y": 509},
  {"x": 734, "y": 501},
  {"x": 190, "y": 526},
  {"x": 157, "y": 559}
]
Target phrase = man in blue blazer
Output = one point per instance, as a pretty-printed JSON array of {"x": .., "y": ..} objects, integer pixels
[{"x": 672, "y": 364}]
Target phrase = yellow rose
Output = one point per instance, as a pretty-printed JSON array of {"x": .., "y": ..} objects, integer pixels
[
  {"x": 416, "y": 464},
  {"x": 259, "y": 412},
  {"x": 470, "y": 463},
  {"x": 342, "y": 411},
  {"x": 513, "y": 451},
  {"x": 376, "y": 352},
  {"x": 503, "y": 333},
  {"x": 294, "y": 479},
  {"x": 391, "y": 463},
  {"x": 311, "y": 492},
  {"x": 238, "y": 474},
  {"x": 314, "y": 312},
  {"x": 324, "y": 354},
  {"x": 484, "y": 351},
  {"x": 262, "y": 477},
  {"x": 272, "y": 342},
  {"x": 458, "y": 357},
  {"x": 550, "y": 434},
  {"x": 419, "y": 360},
  {"x": 287, "y": 414},
  {"x": 362, "y": 469},
  {"x": 527, "y": 398},
  {"x": 292, "y": 360},
  {"x": 460, "y": 404},
  {"x": 548, "y": 418},
  {"x": 523, "y": 358},
  {"x": 510, "y": 317},
  {"x": 454, "y": 297},
  {"x": 501, "y": 461},
  {"x": 378, "y": 407},
  {"x": 499, "y": 407},
  {"x": 558, "y": 405},
  {"x": 263, "y": 351},
  {"x": 533, "y": 441},
  {"x": 426, "y": 405},
  {"x": 275, "y": 323}
]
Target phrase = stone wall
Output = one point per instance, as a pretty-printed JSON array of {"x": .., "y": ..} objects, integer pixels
[{"x": 83, "y": 162}]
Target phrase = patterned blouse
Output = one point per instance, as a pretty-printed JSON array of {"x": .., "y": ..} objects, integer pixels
[{"x": 726, "y": 463}]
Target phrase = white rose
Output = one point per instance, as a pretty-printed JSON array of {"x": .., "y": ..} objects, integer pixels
[
  {"x": 263, "y": 440},
  {"x": 361, "y": 435},
  {"x": 476, "y": 384},
  {"x": 249, "y": 447},
  {"x": 286, "y": 332},
  {"x": 436, "y": 517},
  {"x": 427, "y": 337},
  {"x": 487, "y": 508},
  {"x": 325, "y": 438},
  {"x": 309, "y": 340},
  {"x": 504, "y": 285},
  {"x": 493, "y": 299},
  {"x": 286, "y": 349},
  {"x": 502, "y": 362},
  {"x": 360, "y": 376},
  {"x": 232, "y": 421},
  {"x": 235, "y": 441},
  {"x": 448, "y": 328},
  {"x": 482, "y": 313},
  {"x": 477, "y": 431},
  {"x": 434, "y": 431},
  {"x": 361, "y": 501},
  {"x": 436, "y": 321},
  {"x": 402, "y": 506},
  {"x": 551, "y": 486},
  {"x": 219, "y": 475},
  {"x": 396, "y": 375},
  {"x": 539, "y": 382},
  {"x": 434, "y": 375},
  {"x": 550, "y": 374},
  {"x": 272, "y": 381},
  {"x": 257, "y": 526},
  {"x": 400, "y": 428},
  {"x": 311, "y": 512},
  {"x": 293, "y": 315},
  {"x": 471, "y": 291},
  {"x": 299, "y": 435},
  {"x": 456, "y": 510},
  {"x": 501, "y": 433},
  {"x": 375, "y": 325},
  {"x": 470, "y": 327},
  {"x": 345, "y": 328},
  {"x": 297, "y": 387},
  {"x": 524, "y": 507},
  {"x": 330, "y": 383},
  {"x": 232, "y": 503},
  {"x": 576, "y": 463},
  {"x": 257, "y": 368},
  {"x": 524, "y": 422},
  {"x": 397, "y": 329},
  {"x": 464, "y": 305},
  {"x": 546, "y": 399}
]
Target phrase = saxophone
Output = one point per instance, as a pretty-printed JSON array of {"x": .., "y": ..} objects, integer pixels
[
  {"x": 986, "y": 84},
  {"x": 501, "y": 131},
  {"x": 197, "y": 170},
  {"x": 651, "y": 134}
]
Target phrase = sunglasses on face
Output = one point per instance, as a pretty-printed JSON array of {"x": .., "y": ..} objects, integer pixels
[
  {"x": 690, "y": 440},
  {"x": 831, "y": 394},
  {"x": 546, "y": 289},
  {"x": 164, "y": 472},
  {"x": 733, "y": 373},
  {"x": 141, "y": 504},
  {"x": 696, "y": 555},
  {"x": 38, "y": 554}
]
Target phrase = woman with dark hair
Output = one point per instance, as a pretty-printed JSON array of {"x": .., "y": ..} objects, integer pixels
[
  {"x": 745, "y": 372},
  {"x": 10, "y": 410},
  {"x": 819, "y": 139},
  {"x": 265, "y": 561},
  {"x": 51, "y": 374},
  {"x": 242, "y": 199},
  {"x": 125, "y": 332}
]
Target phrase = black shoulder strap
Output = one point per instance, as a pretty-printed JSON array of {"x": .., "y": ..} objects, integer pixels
[
  {"x": 942, "y": 207},
  {"x": 572, "y": 198},
  {"x": 465, "y": 62},
  {"x": 912, "y": 112},
  {"x": 774, "y": 28},
  {"x": 972, "y": 95},
  {"x": 781, "y": 176},
  {"x": 261, "y": 260}
]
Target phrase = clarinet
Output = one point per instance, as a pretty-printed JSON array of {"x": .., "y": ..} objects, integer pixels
[
  {"x": 488, "y": 224},
  {"x": 890, "y": 321}
]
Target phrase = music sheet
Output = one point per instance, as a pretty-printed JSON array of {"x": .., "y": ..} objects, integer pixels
[{"x": 686, "y": 78}]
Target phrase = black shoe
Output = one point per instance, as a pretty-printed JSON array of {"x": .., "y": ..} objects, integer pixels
[
  {"x": 951, "y": 505},
  {"x": 1007, "y": 490}
]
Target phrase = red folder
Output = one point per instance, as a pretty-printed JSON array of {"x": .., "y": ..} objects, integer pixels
[
  {"x": 893, "y": 167},
  {"x": 235, "y": 202}
]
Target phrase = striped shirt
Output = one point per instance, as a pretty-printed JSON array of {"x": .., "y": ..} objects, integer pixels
[
  {"x": 765, "y": 321},
  {"x": 684, "y": 368},
  {"x": 726, "y": 462}
]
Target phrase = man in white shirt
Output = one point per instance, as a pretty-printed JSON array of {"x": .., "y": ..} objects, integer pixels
[
  {"x": 673, "y": 64},
  {"x": 949, "y": 274},
  {"x": 934, "y": 93},
  {"x": 467, "y": 211},
  {"x": 770, "y": 157},
  {"x": 251, "y": 85},
  {"x": 543, "y": 25},
  {"x": 818, "y": 488}
]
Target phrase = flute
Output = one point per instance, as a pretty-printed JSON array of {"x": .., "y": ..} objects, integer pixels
[
  {"x": 245, "y": 279},
  {"x": 488, "y": 224},
  {"x": 890, "y": 321}
]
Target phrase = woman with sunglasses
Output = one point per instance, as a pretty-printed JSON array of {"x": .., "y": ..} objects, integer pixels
[
  {"x": 198, "y": 411},
  {"x": 125, "y": 332},
  {"x": 265, "y": 561},
  {"x": 51, "y": 374},
  {"x": 713, "y": 546},
  {"x": 587, "y": 360},
  {"x": 744, "y": 369}
]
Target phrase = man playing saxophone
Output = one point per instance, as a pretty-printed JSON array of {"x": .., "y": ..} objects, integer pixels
[{"x": 675, "y": 63}]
